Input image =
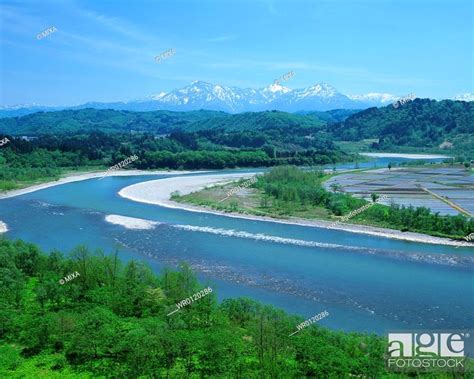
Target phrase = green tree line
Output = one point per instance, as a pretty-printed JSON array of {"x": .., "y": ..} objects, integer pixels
[{"x": 47, "y": 156}]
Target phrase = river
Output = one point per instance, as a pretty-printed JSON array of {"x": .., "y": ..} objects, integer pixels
[{"x": 366, "y": 283}]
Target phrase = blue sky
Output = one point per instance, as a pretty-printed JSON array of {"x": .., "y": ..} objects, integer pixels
[{"x": 104, "y": 50}]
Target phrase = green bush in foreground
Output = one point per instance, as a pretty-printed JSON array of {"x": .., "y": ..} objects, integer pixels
[{"x": 111, "y": 321}]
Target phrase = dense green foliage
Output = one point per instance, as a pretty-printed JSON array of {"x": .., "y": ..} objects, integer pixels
[
  {"x": 47, "y": 156},
  {"x": 210, "y": 130},
  {"x": 75, "y": 139},
  {"x": 261, "y": 121},
  {"x": 289, "y": 188},
  {"x": 111, "y": 321},
  {"x": 162, "y": 122},
  {"x": 333, "y": 116},
  {"x": 421, "y": 123},
  {"x": 106, "y": 120}
]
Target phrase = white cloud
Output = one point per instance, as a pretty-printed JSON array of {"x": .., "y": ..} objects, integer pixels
[{"x": 117, "y": 25}]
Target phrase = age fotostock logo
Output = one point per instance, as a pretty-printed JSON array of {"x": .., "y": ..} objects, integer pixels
[{"x": 426, "y": 351}]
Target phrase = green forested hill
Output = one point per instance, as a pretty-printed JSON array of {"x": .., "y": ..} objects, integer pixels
[
  {"x": 158, "y": 122},
  {"x": 259, "y": 121},
  {"x": 73, "y": 121},
  {"x": 419, "y": 123},
  {"x": 111, "y": 121},
  {"x": 333, "y": 116},
  {"x": 193, "y": 140}
]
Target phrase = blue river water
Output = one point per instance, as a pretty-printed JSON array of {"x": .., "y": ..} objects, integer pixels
[{"x": 366, "y": 283}]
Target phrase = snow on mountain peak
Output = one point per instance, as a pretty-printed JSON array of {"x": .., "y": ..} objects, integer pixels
[
  {"x": 19, "y": 106},
  {"x": 158, "y": 97},
  {"x": 319, "y": 89},
  {"x": 320, "y": 97},
  {"x": 465, "y": 97},
  {"x": 374, "y": 96},
  {"x": 275, "y": 87}
]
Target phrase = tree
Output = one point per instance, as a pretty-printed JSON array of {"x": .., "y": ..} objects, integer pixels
[
  {"x": 95, "y": 335},
  {"x": 12, "y": 280},
  {"x": 335, "y": 187}
]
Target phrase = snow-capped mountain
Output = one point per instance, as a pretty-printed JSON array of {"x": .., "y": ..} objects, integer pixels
[
  {"x": 319, "y": 97},
  {"x": 200, "y": 95},
  {"x": 203, "y": 95},
  {"x": 158, "y": 97},
  {"x": 376, "y": 98},
  {"x": 24, "y": 109},
  {"x": 19, "y": 106},
  {"x": 274, "y": 91}
]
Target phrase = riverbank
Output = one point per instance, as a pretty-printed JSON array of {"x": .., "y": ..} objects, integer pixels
[
  {"x": 79, "y": 177},
  {"x": 402, "y": 155},
  {"x": 85, "y": 176},
  {"x": 158, "y": 192}
]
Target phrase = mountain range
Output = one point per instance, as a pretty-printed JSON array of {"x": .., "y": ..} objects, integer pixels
[{"x": 202, "y": 95}]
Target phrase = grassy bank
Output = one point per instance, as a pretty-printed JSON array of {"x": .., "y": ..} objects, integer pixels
[{"x": 12, "y": 179}]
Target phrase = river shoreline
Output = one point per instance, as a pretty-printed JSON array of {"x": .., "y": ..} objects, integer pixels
[
  {"x": 404, "y": 155},
  {"x": 158, "y": 192},
  {"x": 79, "y": 177},
  {"x": 85, "y": 176}
]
